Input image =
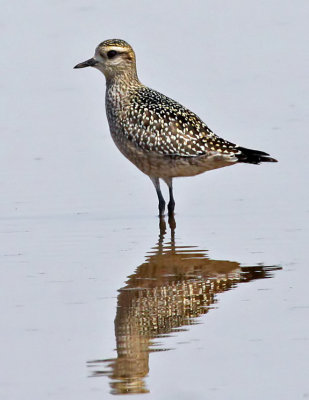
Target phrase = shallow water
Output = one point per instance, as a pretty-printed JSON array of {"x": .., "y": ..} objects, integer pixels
[
  {"x": 168, "y": 292},
  {"x": 98, "y": 297}
]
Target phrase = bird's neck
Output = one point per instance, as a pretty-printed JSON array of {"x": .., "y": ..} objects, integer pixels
[
  {"x": 123, "y": 78},
  {"x": 119, "y": 89}
]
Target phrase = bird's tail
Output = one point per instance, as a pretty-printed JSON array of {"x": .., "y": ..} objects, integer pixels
[{"x": 253, "y": 156}]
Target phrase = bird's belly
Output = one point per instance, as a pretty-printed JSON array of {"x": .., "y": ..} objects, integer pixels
[{"x": 165, "y": 166}]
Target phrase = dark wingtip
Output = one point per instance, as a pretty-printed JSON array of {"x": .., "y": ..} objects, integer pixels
[
  {"x": 271, "y": 160},
  {"x": 251, "y": 156}
]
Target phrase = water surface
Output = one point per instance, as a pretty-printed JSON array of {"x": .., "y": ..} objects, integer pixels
[
  {"x": 168, "y": 292},
  {"x": 92, "y": 289}
]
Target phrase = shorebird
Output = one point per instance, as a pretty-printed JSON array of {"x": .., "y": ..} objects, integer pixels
[{"x": 157, "y": 134}]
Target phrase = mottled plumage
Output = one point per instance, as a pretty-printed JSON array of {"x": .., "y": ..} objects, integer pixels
[
  {"x": 157, "y": 123},
  {"x": 157, "y": 134}
]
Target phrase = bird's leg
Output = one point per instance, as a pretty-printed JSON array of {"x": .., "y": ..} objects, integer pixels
[
  {"x": 171, "y": 203},
  {"x": 162, "y": 227},
  {"x": 156, "y": 183},
  {"x": 172, "y": 224}
]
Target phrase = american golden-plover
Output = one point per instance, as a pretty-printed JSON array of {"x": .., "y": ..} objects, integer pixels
[{"x": 161, "y": 137}]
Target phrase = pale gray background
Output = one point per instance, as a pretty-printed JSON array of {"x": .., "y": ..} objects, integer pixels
[{"x": 77, "y": 218}]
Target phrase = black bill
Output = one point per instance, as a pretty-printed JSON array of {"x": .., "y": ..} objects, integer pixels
[{"x": 89, "y": 63}]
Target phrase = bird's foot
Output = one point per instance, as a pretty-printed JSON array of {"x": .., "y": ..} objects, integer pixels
[{"x": 172, "y": 221}]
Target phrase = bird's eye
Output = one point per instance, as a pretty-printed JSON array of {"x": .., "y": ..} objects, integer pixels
[{"x": 111, "y": 53}]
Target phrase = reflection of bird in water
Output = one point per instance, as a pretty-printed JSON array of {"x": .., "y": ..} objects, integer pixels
[{"x": 174, "y": 286}]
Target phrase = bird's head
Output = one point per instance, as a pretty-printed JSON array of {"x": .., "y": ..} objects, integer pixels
[{"x": 113, "y": 57}]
